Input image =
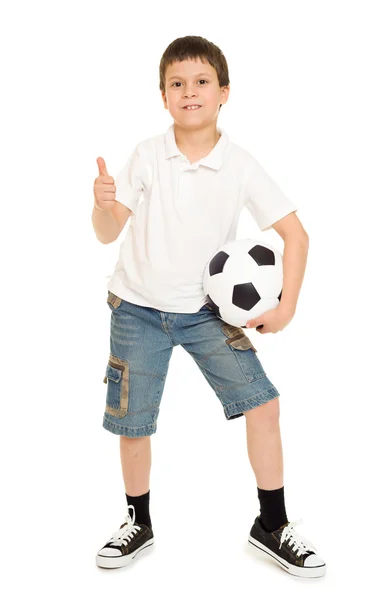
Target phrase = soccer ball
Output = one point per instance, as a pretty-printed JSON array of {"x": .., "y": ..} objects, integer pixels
[{"x": 243, "y": 280}]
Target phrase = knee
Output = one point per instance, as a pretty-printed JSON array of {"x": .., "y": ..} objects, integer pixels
[
  {"x": 266, "y": 414},
  {"x": 134, "y": 440}
]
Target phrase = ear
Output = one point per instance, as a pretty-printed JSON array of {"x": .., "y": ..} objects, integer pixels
[
  {"x": 164, "y": 98},
  {"x": 225, "y": 93}
]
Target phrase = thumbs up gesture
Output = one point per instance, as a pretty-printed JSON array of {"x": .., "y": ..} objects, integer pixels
[{"x": 104, "y": 187}]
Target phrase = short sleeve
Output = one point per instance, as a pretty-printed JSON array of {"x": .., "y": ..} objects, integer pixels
[
  {"x": 129, "y": 182},
  {"x": 264, "y": 199}
]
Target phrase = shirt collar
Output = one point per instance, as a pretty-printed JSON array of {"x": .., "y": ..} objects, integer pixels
[{"x": 213, "y": 159}]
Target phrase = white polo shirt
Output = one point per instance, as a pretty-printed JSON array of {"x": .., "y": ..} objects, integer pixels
[{"x": 183, "y": 213}]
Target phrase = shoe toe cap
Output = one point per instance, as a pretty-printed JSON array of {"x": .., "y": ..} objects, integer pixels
[
  {"x": 109, "y": 552},
  {"x": 313, "y": 560}
]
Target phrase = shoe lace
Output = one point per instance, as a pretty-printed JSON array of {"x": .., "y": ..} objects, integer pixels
[
  {"x": 299, "y": 544},
  {"x": 126, "y": 531}
]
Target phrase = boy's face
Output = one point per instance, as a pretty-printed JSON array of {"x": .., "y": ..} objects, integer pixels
[{"x": 193, "y": 82}]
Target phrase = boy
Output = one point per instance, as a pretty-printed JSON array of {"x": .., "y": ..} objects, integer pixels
[{"x": 195, "y": 182}]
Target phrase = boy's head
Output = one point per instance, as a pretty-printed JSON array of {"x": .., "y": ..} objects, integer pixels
[{"x": 193, "y": 71}]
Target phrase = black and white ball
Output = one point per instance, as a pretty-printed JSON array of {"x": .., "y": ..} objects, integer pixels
[{"x": 243, "y": 280}]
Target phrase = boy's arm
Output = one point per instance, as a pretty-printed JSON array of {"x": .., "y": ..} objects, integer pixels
[
  {"x": 270, "y": 208},
  {"x": 296, "y": 247},
  {"x": 129, "y": 185},
  {"x": 108, "y": 224}
]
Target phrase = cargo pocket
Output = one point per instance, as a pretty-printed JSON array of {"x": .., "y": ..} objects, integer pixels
[
  {"x": 117, "y": 380},
  {"x": 244, "y": 351}
]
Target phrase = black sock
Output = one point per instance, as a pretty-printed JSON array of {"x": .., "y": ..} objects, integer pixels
[
  {"x": 141, "y": 507},
  {"x": 272, "y": 509}
]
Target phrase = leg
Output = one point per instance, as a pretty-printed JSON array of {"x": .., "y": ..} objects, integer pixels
[
  {"x": 136, "y": 458},
  {"x": 135, "y": 534},
  {"x": 275, "y": 535},
  {"x": 264, "y": 444}
]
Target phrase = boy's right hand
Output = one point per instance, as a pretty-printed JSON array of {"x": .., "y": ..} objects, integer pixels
[{"x": 104, "y": 187}]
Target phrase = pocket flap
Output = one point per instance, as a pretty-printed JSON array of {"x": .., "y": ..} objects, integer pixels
[{"x": 113, "y": 373}]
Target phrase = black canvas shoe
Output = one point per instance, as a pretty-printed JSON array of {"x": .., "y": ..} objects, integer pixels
[
  {"x": 290, "y": 550},
  {"x": 125, "y": 544}
]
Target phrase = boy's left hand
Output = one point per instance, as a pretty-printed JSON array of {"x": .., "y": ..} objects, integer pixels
[{"x": 272, "y": 321}]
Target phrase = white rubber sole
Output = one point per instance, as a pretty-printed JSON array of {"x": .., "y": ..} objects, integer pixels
[
  {"x": 113, "y": 562},
  {"x": 298, "y": 571}
]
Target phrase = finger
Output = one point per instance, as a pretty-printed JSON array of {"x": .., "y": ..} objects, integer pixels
[
  {"x": 251, "y": 323},
  {"x": 102, "y": 166}
]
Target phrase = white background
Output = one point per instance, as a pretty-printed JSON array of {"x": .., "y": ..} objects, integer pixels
[{"x": 310, "y": 99}]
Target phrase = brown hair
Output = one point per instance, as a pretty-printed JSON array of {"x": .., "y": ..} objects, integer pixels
[{"x": 192, "y": 47}]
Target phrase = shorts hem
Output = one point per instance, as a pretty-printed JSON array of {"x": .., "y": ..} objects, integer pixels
[
  {"x": 237, "y": 409},
  {"x": 132, "y": 432}
]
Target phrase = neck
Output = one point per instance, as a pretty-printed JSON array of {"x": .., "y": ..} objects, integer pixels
[{"x": 201, "y": 138}]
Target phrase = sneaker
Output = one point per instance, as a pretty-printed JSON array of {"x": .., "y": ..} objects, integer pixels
[
  {"x": 290, "y": 550},
  {"x": 125, "y": 544}
]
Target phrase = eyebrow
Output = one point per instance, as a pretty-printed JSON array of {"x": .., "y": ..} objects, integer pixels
[{"x": 198, "y": 75}]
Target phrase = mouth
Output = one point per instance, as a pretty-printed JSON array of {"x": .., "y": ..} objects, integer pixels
[{"x": 196, "y": 107}]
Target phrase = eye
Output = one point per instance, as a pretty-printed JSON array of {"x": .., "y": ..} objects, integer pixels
[{"x": 174, "y": 84}]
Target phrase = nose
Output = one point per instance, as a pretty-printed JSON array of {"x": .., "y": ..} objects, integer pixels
[{"x": 188, "y": 93}]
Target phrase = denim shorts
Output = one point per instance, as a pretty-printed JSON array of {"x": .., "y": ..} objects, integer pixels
[{"x": 141, "y": 344}]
